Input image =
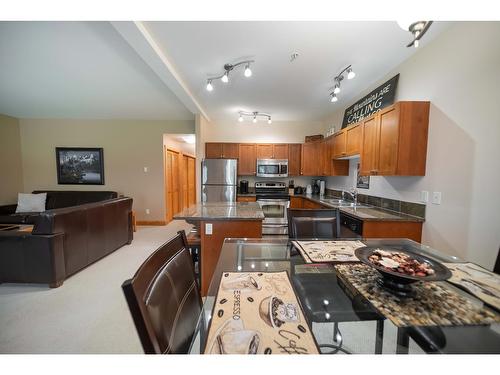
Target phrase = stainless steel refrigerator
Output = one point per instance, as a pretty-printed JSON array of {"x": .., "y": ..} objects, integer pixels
[{"x": 218, "y": 180}]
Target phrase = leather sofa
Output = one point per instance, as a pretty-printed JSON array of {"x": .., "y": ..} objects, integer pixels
[
  {"x": 55, "y": 199},
  {"x": 65, "y": 240}
]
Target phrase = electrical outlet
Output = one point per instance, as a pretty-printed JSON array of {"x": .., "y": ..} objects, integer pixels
[
  {"x": 146, "y": 169},
  {"x": 147, "y": 211},
  {"x": 208, "y": 228},
  {"x": 424, "y": 196},
  {"x": 436, "y": 197}
]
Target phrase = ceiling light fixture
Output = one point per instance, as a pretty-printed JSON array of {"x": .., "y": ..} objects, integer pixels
[
  {"x": 255, "y": 115},
  {"x": 339, "y": 78},
  {"x": 417, "y": 29},
  {"x": 224, "y": 77}
]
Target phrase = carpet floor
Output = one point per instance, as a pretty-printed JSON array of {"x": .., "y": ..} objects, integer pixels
[{"x": 88, "y": 313}]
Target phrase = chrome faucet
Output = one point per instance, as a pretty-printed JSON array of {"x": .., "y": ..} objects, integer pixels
[{"x": 353, "y": 193}]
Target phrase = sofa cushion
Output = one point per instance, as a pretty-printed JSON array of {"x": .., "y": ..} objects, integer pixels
[{"x": 31, "y": 202}]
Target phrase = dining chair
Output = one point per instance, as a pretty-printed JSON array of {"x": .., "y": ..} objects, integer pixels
[
  {"x": 164, "y": 300},
  {"x": 496, "y": 268},
  {"x": 313, "y": 223}
]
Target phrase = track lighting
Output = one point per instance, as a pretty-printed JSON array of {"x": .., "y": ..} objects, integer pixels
[
  {"x": 338, "y": 79},
  {"x": 255, "y": 115},
  {"x": 417, "y": 29},
  {"x": 227, "y": 68},
  {"x": 248, "y": 71},
  {"x": 350, "y": 74}
]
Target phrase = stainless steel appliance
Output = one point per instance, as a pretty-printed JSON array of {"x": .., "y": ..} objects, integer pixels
[
  {"x": 350, "y": 227},
  {"x": 274, "y": 201},
  {"x": 272, "y": 167},
  {"x": 219, "y": 180}
]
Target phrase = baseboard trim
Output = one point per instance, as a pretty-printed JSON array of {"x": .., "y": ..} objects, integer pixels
[{"x": 154, "y": 222}]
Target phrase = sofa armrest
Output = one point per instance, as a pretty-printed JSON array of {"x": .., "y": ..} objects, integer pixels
[
  {"x": 8, "y": 209},
  {"x": 25, "y": 258}
]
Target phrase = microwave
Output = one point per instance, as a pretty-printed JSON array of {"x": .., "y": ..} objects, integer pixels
[{"x": 272, "y": 167}]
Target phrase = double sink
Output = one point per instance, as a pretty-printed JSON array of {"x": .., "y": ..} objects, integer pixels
[{"x": 343, "y": 203}]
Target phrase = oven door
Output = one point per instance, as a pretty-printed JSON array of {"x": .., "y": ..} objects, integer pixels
[{"x": 274, "y": 210}]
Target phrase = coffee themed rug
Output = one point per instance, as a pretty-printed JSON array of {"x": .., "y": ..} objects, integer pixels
[
  {"x": 435, "y": 303},
  {"x": 328, "y": 251},
  {"x": 258, "y": 313}
]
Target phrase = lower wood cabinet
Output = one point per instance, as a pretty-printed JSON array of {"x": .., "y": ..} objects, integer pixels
[
  {"x": 296, "y": 202},
  {"x": 241, "y": 198}
]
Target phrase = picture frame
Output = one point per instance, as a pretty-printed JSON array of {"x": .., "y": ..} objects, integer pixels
[
  {"x": 80, "y": 166},
  {"x": 362, "y": 182}
]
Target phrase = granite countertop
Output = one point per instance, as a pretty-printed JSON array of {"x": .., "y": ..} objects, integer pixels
[
  {"x": 366, "y": 212},
  {"x": 222, "y": 211}
]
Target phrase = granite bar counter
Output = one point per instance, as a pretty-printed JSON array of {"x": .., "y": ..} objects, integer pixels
[
  {"x": 217, "y": 221},
  {"x": 221, "y": 211},
  {"x": 366, "y": 212}
]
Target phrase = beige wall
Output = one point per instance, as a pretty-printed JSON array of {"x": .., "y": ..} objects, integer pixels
[
  {"x": 11, "y": 174},
  {"x": 459, "y": 73},
  {"x": 129, "y": 146}
]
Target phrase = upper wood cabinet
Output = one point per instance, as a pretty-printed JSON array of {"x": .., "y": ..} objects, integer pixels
[
  {"x": 339, "y": 143},
  {"x": 310, "y": 160},
  {"x": 264, "y": 151},
  {"x": 272, "y": 151},
  {"x": 294, "y": 157},
  {"x": 353, "y": 136},
  {"x": 247, "y": 161},
  {"x": 332, "y": 167},
  {"x": 347, "y": 142},
  {"x": 394, "y": 140},
  {"x": 221, "y": 150}
]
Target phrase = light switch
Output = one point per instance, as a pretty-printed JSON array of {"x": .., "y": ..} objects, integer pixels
[
  {"x": 146, "y": 169},
  {"x": 436, "y": 197},
  {"x": 208, "y": 228},
  {"x": 147, "y": 211},
  {"x": 424, "y": 196}
]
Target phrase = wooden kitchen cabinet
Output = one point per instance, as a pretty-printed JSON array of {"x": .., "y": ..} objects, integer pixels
[
  {"x": 296, "y": 202},
  {"x": 310, "y": 159},
  {"x": 339, "y": 144},
  {"x": 221, "y": 150},
  {"x": 347, "y": 142},
  {"x": 242, "y": 198},
  {"x": 247, "y": 161},
  {"x": 294, "y": 157},
  {"x": 280, "y": 151},
  {"x": 353, "y": 139},
  {"x": 264, "y": 151},
  {"x": 330, "y": 166},
  {"x": 394, "y": 140},
  {"x": 272, "y": 151}
]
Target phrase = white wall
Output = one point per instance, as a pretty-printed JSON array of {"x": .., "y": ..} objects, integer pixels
[
  {"x": 11, "y": 168},
  {"x": 459, "y": 73},
  {"x": 261, "y": 132},
  {"x": 128, "y": 145}
]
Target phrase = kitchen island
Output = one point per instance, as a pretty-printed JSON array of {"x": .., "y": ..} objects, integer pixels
[{"x": 216, "y": 221}]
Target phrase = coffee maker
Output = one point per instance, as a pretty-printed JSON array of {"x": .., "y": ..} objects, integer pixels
[{"x": 243, "y": 187}]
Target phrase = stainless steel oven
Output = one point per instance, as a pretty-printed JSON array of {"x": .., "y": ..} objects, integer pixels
[
  {"x": 272, "y": 167},
  {"x": 274, "y": 201}
]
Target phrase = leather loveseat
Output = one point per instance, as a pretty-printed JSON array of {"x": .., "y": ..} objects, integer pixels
[{"x": 65, "y": 240}]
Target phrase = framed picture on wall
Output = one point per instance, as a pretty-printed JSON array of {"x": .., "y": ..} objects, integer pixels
[
  {"x": 80, "y": 166},
  {"x": 362, "y": 182}
]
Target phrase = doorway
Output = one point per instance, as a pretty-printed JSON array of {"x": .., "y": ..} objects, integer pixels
[{"x": 180, "y": 173}]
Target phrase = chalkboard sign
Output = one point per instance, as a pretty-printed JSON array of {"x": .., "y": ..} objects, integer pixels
[{"x": 379, "y": 98}]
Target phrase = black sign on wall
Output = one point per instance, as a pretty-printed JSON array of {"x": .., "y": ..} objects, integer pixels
[{"x": 379, "y": 98}]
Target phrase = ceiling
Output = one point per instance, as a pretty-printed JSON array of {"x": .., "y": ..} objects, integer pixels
[
  {"x": 158, "y": 70},
  {"x": 78, "y": 70},
  {"x": 290, "y": 91}
]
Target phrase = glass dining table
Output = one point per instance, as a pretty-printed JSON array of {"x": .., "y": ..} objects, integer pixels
[{"x": 343, "y": 322}]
